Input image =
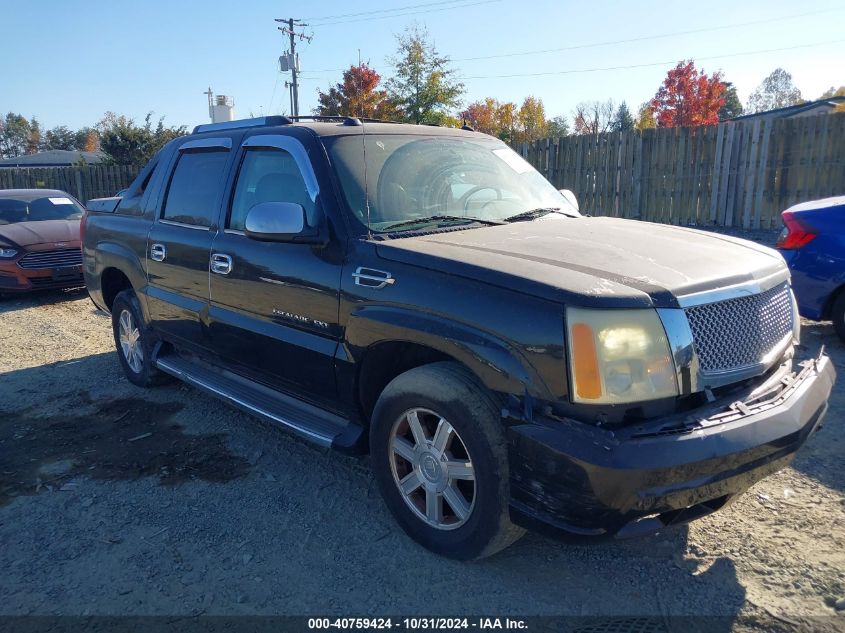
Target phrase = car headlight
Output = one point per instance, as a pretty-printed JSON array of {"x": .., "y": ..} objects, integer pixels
[
  {"x": 6, "y": 252},
  {"x": 619, "y": 356}
]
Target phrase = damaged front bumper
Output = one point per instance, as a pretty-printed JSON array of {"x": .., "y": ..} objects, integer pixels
[{"x": 589, "y": 481}]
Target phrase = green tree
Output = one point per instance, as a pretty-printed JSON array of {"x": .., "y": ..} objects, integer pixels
[
  {"x": 776, "y": 91},
  {"x": 60, "y": 137},
  {"x": 423, "y": 85},
  {"x": 733, "y": 106},
  {"x": 558, "y": 127},
  {"x": 15, "y": 131},
  {"x": 127, "y": 143},
  {"x": 622, "y": 120}
]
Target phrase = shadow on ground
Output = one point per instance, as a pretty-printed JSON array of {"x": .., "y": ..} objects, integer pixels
[
  {"x": 121, "y": 439},
  {"x": 10, "y": 302}
]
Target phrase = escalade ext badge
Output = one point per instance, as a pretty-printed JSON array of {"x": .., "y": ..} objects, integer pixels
[{"x": 372, "y": 278}]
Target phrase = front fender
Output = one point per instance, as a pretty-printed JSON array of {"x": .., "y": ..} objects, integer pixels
[{"x": 499, "y": 365}]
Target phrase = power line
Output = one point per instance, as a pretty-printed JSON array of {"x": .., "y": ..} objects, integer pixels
[
  {"x": 663, "y": 63},
  {"x": 376, "y": 11},
  {"x": 399, "y": 15},
  {"x": 645, "y": 37}
]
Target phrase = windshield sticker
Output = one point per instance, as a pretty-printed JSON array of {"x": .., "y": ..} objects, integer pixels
[
  {"x": 513, "y": 160},
  {"x": 60, "y": 200}
]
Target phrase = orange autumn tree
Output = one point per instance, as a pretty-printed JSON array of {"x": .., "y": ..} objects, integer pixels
[
  {"x": 688, "y": 97},
  {"x": 357, "y": 95}
]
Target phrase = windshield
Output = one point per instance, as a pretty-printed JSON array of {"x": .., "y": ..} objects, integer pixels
[
  {"x": 416, "y": 181},
  {"x": 38, "y": 207}
]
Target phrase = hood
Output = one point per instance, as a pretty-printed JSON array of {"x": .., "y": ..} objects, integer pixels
[
  {"x": 42, "y": 232},
  {"x": 580, "y": 260}
]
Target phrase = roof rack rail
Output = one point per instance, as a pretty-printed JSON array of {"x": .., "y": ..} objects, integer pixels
[
  {"x": 349, "y": 120},
  {"x": 262, "y": 121}
]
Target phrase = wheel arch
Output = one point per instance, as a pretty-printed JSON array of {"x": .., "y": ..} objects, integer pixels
[{"x": 386, "y": 342}]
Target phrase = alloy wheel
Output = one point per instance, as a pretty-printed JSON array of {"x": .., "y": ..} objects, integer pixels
[
  {"x": 432, "y": 469},
  {"x": 130, "y": 341}
]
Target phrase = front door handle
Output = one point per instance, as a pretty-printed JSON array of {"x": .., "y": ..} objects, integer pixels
[
  {"x": 221, "y": 264},
  {"x": 158, "y": 252}
]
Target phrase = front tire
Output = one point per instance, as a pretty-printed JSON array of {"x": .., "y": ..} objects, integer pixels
[
  {"x": 134, "y": 341},
  {"x": 440, "y": 459}
]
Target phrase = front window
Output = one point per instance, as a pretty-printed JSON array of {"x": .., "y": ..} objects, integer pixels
[
  {"x": 38, "y": 207},
  {"x": 416, "y": 182}
]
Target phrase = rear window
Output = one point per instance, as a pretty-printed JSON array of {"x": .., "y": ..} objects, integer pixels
[
  {"x": 194, "y": 193},
  {"x": 37, "y": 208}
]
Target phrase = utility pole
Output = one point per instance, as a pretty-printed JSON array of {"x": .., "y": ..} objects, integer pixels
[{"x": 292, "y": 64}]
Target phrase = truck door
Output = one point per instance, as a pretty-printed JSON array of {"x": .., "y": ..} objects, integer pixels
[
  {"x": 179, "y": 241},
  {"x": 274, "y": 306}
]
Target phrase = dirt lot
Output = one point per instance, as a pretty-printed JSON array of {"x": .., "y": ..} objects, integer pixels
[{"x": 117, "y": 500}]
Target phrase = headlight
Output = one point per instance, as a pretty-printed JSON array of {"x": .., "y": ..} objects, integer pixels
[
  {"x": 7, "y": 252},
  {"x": 619, "y": 356}
]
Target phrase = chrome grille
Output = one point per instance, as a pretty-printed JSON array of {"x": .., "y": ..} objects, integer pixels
[
  {"x": 740, "y": 332},
  {"x": 52, "y": 259}
]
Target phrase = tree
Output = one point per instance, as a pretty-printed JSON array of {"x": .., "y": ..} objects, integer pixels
[
  {"x": 688, "y": 97},
  {"x": 593, "y": 117},
  {"x": 483, "y": 116},
  {"x": 423, "y": 86},
  {"x": 34, "y": 141},
  {"x": 60, "y": 137},
  {"x": 622, "y": 120},
  {"x": 87, "y": 140},
  {"x": 833, "y": 92},
  {"x": 357, "y": 95},
  {"x": 127, "y": 143},
  {"x": 558, "y": 127},
  {"x": 645, "y": 118},
  {"x": 15, "y": 131},
  {"x": 776, "y": 91},
  {"x": 532, "y": 120},
  {"x": 733, "y": 106}
]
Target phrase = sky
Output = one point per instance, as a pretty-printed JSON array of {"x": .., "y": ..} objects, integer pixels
[{"x": 67, "y": 62}]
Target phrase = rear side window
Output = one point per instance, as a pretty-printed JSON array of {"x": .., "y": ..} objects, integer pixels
[
  {"x": 268, "y": 175},
  {"x": 195, "y": 188}
]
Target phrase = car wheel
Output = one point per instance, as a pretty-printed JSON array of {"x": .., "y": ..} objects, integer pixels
[
  {"x": 440, "y": 459},
  {"x": 837, "y": 315},
  {"x": 134, "y": 341}
]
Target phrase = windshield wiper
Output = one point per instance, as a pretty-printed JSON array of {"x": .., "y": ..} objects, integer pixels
[
  {"x": 438, "y": 218},
  {"x": 532, "y": 214}
]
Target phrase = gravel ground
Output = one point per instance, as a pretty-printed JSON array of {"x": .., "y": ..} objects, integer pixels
[{"x": 118, "y": 500}]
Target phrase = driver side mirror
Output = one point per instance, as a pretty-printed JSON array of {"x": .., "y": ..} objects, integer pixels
[
  {"x": 275, "y": 222},
  {"x": 570, "y": 198}
]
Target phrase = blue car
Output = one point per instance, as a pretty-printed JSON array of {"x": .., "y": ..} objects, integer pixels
[{"x": 813, "y": 245}]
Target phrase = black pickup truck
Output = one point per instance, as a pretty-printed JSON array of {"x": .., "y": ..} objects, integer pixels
[{"x": 424, "y": 294}]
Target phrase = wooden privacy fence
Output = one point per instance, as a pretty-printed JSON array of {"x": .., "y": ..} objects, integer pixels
[
  {"x": 738, "y": 173},
  {"x": 94, "y": 181}
]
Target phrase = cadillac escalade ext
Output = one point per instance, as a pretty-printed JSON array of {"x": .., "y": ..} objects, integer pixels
[{"x": 424, "y": 294}]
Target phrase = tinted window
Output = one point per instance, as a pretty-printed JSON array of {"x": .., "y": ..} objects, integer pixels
[
  {"x": 268, "y": 175},
  {"x": 38, "y": 207},
  {"x": 195, "y": 188}
]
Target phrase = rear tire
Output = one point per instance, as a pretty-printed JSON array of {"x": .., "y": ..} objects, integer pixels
[
  {"x": 134, "y": 341},
  {"x": 440, "y": 459},
  {"x": 837, "y": 314}
]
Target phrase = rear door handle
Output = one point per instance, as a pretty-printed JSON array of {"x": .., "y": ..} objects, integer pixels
[
  {"x": 221, "y": 263},
  {"x": 158, "y": 252}
]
